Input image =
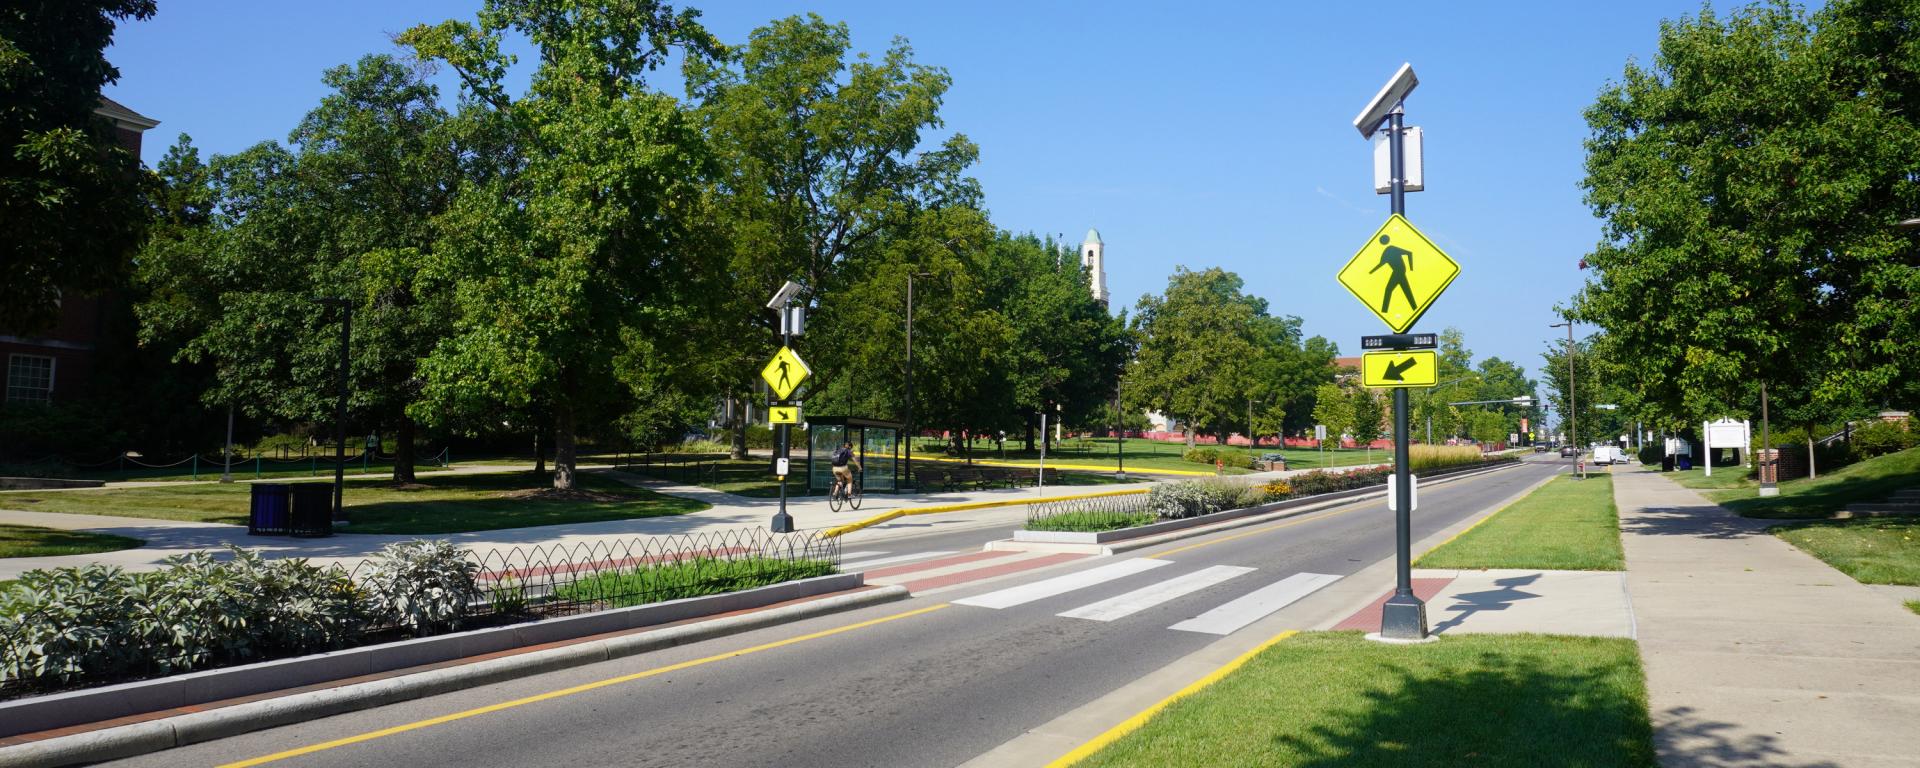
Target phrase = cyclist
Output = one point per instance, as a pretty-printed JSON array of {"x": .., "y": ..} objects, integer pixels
[{"x": 845, "y": 463}]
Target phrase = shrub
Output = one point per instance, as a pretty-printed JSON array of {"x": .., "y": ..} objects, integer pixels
[
  {"x": 1278, "y": 489},
  {"x": 1225, "y": 457},
  {"x": 1091, "y": 521},
  {"x": 1174, "y": 501},
  {"x": 1251, "y": 496},
  {"x": 1880, "y": 438},
  {"x": 1652, "y": 453},
  {"x": 422, "y": 586},
  {"x": 1438, "y": 456},
  {"x": 95, "y": 622}
]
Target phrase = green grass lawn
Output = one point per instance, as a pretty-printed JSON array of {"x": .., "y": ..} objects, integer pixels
[
  {"x": 1329, "y": 699},
  {"x": 34, "y": 541},
  {"x": 435, "y": 504},
  {"x": 1912, "y": 605},
  {"x": 1811, "y": 498},
  {"x": 1873, "y": 550},
  {"x": 1724, "y": 478},
  {"x": 1567, "y": 524},
  {"x": 268, "y": 469}
]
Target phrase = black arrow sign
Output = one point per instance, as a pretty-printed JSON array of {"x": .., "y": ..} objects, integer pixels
[{"x": 1394, "y": 370}]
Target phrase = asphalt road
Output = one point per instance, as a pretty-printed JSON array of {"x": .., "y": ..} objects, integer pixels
[{"x": 921, "y": 682}]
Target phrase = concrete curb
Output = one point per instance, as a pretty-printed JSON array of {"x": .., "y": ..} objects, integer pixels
[{"x": 166, "y": 733}]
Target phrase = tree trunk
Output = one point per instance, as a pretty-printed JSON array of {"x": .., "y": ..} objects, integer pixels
[
  {"x": 539, "y": 450},
  {"x": 1029, "y": 419},
  {"x": 738, "y": 405},
  {"x": 403, "y": 458},
  {"x": 1812, "y": 472},
  {"x": 1188, "y": 431},
  {"x": 563, "y": 445}
]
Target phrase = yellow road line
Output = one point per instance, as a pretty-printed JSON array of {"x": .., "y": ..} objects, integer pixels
[
  {"x": 938, "y": 508},
  {"x": 1132, "y": 724},
  {"x": 1078, "y": 467},
  {"x": 550, "y": 695}
]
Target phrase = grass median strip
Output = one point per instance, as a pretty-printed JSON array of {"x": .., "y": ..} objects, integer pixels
[
  {"x": 1874, "y": 550},
  {"x": 1567, "y": 524},
  {"x": 34, "y": 541},
  {"x": 689, "y": 578},
  {"x": 437, "y": 504},
  {"x": 1334, "y": 699}
]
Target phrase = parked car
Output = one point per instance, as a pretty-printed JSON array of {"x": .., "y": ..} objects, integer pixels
[
  {"x": 1567, "y": 451},
  {"x": 1539, "y": 447}
]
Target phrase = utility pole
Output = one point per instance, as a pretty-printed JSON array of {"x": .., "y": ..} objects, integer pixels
[
  {"x": 340, "y": 410},
  {"x": 1573, "y": 417},
  {"x": 910, "y": 431}
]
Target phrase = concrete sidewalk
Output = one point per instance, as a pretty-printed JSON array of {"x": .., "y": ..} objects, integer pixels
[
  {"x": 729, "y": 513},
  {"x": 1757, "y": 653}
]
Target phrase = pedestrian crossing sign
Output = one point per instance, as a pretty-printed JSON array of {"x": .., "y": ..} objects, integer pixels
[
  {"x": 784, "y": 373},
  {"x": 1398, "y": 273}
]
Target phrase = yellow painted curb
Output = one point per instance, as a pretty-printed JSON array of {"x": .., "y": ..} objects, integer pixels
[
  {"x": 1132, "y": 724},
  {"x": 938, "y": 508},
  {"x": 1076, "y": 467}
]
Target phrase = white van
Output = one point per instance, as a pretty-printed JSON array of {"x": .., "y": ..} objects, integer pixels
[{"x": 1606, "y": 454}]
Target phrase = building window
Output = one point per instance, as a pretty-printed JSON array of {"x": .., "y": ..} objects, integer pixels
[{"x": 29, "y": 378}]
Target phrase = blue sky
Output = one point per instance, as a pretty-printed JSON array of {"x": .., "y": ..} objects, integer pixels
[{"x": 1197, "y": 134}]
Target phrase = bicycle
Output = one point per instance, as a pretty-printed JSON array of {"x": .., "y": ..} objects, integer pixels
[{"x": 849, "y": 495}]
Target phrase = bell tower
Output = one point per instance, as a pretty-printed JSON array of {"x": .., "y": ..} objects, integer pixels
[{"x": 1093, "y": 255}]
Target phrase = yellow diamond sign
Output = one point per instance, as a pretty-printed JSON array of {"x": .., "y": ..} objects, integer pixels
[
  {"x": 1399, "y": 273},
  {"x": 784, "y": 373}
]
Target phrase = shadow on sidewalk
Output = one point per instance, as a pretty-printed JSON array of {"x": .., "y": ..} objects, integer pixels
[
  {"x": 1698, "y": 521},
  {"x": 1470, "y": 603},
  {"x": 1687, "y": 740}
]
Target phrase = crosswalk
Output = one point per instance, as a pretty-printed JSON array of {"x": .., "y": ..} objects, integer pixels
[
  {"x": 1224, "y": 619},
  {"x": 926, "y": 571}
]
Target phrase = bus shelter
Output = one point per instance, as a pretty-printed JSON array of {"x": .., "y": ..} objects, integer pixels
[{"x": 876, "y": 442}]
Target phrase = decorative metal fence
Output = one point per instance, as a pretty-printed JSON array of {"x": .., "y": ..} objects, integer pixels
[
  {"x": 88, "y": 629},
  {"x": 1101, "y": 506}
]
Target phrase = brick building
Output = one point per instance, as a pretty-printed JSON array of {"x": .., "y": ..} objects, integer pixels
[{"x": 58, "y": 361}]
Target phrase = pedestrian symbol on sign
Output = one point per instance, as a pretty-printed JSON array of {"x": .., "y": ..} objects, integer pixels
[{"x": 1399, "y": 260}]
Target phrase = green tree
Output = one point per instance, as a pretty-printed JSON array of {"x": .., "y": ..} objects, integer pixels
[
  {"x": 1333, "y": 409},
  {"x": 1749, "y": 178},
  {"x": 1197, "y": 346},
  {"x": 576, "y": 267},
  {"x": 348, "y": 211},
  {"x": 1369, "y": 415},
  {"x": 71, "y": 207},
  {"x": 820, "y": 164}
]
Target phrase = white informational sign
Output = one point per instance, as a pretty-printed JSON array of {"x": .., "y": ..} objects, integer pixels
[
  {"x": 1413, "y": 493},
  {"x": 1727, "y": 433},
  {"x": 780, "y": 466},
  {"x": 1513, "y": 437},
  {"x": 1319, "y": 431}
]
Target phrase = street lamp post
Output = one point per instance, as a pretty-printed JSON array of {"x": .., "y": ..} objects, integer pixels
[
  {"x": 1573, "y": 412},
  {"x": 340, "y": 411}
]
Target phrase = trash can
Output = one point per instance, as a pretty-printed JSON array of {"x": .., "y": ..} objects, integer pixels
[
  {"x": 1686, "y": 462},
  {"x": 1666, "y": 463},
  {"x": 267, "y": 516},
  {"x": 312, "y": 510}
]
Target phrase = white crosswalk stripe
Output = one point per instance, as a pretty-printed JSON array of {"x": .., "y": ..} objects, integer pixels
[
  {"x": 847, "y": 566},
  {"x": 846, "y": 556},
  {"x": 1256, "y": 605},
  {"x": 1059, "y": 585},
  {"x": 1155, "y": 594}
]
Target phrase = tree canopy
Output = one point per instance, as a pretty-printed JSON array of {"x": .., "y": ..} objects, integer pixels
[{"x": 1749, "y": 178}]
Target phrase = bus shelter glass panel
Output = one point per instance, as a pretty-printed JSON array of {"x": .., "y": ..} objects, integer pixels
[
  {"x": 878, "y": 451},
  {"x": 822, "y": 439}
]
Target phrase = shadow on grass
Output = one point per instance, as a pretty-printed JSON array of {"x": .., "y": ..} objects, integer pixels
[
  {"x": 1819, "y": 501},
  {"x": 1510, "y": 710}
]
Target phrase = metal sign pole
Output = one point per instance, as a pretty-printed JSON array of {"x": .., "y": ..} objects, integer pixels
[
  {"x": 1404, "y": 617},
  {"x": 783, "y": 522}
]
